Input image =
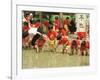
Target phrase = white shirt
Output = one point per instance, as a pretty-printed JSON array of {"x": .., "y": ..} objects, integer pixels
[{"x": 33, "y": 31}]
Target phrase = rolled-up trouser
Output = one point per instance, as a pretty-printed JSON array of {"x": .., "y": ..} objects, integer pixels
[{"x": 35, "y": 38}]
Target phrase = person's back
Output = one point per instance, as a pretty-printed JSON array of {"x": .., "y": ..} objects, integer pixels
[
  {"x": 74, "y": 44},
  {"x": 83, "y": 44},
  {"x": 72, "y": 26}
]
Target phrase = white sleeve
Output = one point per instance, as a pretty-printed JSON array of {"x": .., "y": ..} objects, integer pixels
[{"x": 32, "y": 31}]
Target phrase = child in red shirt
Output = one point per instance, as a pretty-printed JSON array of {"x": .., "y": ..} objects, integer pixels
[
  {"x": 52, "y": 39},
  {"x": 40, "y": 43},
  {"x": 66, "y": 24},
  {"x": 63, "y": 39},
  {"x": 57, "y": 23},
  {"x": 52, "y": 34}
]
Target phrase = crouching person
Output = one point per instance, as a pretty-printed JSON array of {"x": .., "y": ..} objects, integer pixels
[
  {"x": 67, "y": 47},
  {"x": 83, "y": 49},
  {"x": 87, "y": 47},
  {"x": 40, "y": 43},
  {"x": 74, "y": 47}
]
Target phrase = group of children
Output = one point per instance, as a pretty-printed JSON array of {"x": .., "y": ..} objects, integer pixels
[
  {"x": 57, "y": 35},
  {"x": 75, "y": 45}
]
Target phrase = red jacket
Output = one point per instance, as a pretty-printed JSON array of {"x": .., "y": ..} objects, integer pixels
[
  {"x": 52, "y": 34},
  {"x": 66, "y": 22},
  {"x": 63, "y": 40},
  {"x": 57, "y": 24},
  {"x": 46, "y": 23},
  {"x": 63, "y": 32},
  {"x": 40, "y": 42},
  {"x": 25, "y": 28}
]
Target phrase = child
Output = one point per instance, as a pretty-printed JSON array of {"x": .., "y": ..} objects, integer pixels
[
  {"x": 66, "y": 24},
  {"x": 25, "y": 35},
  {"x": 52, "y": 38},
  {"x": 78, "y": 45},
  {"x": 57, "y": 24},
  {"x": 83, "y": 48},
  {"x": 62, "y": 38},
  {"x": 40, "y": 43},
  {"x": 74, "y": 47},
  {"x": 37, "y": 31},
  {"x": 25, "y": 26},
  {"x": 66, "y": 47},
  {"x": 87, "y": 47}
]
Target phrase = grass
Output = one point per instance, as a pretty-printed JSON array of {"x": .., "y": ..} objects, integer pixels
[{"x": 31, "y": 59}]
